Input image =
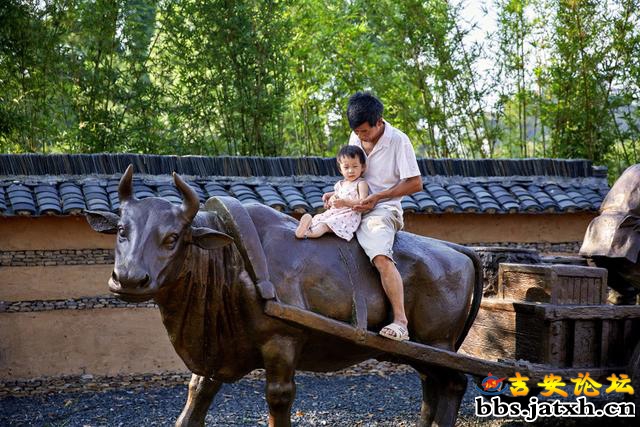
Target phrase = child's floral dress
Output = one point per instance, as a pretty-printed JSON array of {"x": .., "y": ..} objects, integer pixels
[{"x": 342, "y": 221}]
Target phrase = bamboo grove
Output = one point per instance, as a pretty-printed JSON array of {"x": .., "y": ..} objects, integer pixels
[{"x": 530, "y": 78}]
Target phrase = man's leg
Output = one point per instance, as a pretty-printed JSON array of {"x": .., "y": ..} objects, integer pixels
[
  {"x": 392, "y": 284},
  {"x": 376, "y": 235}
]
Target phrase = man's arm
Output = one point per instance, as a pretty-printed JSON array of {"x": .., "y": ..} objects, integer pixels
[{"x": 403, "y": 188}]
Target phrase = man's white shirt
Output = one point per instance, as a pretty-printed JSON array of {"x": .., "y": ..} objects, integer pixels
[{"x": 391, "y": 161}]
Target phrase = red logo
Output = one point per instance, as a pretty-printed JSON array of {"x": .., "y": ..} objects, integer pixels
[{"x": 492, "y": 385}]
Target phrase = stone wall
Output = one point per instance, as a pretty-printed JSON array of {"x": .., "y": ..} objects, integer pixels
[
  {"x": 60, "y": 327},
  {"x": 91, "y": 383},
  {"x": 101, "y": 342},
  {"x": 56, "y": 257},
  {"x": 69, "y": 304},
  {"x": 544, "y": 248},
  {"x": 105, "y": 256}
]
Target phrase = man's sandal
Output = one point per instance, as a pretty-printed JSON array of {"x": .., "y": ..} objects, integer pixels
[{"x": 395, "y": 331}]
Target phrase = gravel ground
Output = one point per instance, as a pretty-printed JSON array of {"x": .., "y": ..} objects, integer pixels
[{"x": 372, "y": 398}]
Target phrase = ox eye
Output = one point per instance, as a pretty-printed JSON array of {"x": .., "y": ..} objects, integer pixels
[
  {"x": 122, "y": 232},
  {"x": 170, "y": 240}
]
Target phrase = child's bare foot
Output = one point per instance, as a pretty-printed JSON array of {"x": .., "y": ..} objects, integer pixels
[{"x": 303, "y": 227}]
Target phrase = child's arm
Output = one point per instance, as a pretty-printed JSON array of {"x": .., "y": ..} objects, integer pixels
[{"x": 363, "y": 192}]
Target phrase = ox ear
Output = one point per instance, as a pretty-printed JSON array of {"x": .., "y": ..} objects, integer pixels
[
  {"x": 207, "y": 238},
  {"x": 103, "y": 221}
]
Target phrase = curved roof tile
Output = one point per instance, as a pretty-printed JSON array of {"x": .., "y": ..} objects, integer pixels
[
  {"x": 3, "y": 203},
  {"x": 290, "y": 191},
  {"x": 48, "y": 200},
  {"x": 71, "y": 197},
  {"x": 21, "y": 200},
  {"x": 409, "y": 205}
]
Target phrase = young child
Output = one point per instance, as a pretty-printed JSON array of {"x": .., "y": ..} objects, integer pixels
[{"x": 340, "y": 218}]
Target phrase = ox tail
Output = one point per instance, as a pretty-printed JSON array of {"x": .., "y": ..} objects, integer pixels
[{"x": 478, "y": 289}]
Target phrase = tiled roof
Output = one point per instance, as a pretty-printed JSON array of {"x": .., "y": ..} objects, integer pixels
[
  {"x": 226, "y": 166},
  {"x": 67, "y": 184}
]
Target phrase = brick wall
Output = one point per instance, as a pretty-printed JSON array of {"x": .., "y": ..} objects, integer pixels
[{"x": 55, "y": 334}]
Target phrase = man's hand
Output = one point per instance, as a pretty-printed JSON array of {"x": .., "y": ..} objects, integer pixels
[
  {"x": 367, "y": 204},
  {"x": 326, "y": 199},
  {"x": 338, "y": 203}
]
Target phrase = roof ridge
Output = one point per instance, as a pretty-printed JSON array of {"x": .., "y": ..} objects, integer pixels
[{"x": 252, "y": 166}]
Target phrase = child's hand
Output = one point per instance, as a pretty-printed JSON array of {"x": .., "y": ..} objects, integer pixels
[{"x": 326, "y": 199}]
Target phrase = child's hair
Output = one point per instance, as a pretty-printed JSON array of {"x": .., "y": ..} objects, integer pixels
[{"x": 352, "y": 151}]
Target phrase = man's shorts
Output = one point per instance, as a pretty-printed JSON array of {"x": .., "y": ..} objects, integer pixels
[{"x": 378, "y": 230}]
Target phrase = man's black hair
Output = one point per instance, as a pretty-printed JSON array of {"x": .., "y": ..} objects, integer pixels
[
  {"x": 363, "y": 107},
  {"x": 353, "y": 152}
]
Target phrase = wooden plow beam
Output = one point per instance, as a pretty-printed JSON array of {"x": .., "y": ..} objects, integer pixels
[{"x": 424, "y": 354}]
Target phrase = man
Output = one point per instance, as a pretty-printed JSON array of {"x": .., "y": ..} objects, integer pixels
[{"x": 392, "y": 172}]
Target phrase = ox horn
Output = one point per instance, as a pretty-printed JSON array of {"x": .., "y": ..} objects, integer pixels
[
  {"x": 125, "y": 188},
  {"x": 191, "y": 202}
]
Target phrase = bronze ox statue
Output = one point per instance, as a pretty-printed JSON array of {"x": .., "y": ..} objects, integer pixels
[
  {"x": 612, "y": 239},
  {"x": 211, "y": 294}
]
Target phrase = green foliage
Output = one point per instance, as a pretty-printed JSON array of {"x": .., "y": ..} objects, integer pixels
[
  {"x": 579, "y": 84},
  {"x": 272, "y": 77},
  {"x": 224, "y": 66},
  {"x": 570, "y": 64},
  {"x": 33, "y": 105}
]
